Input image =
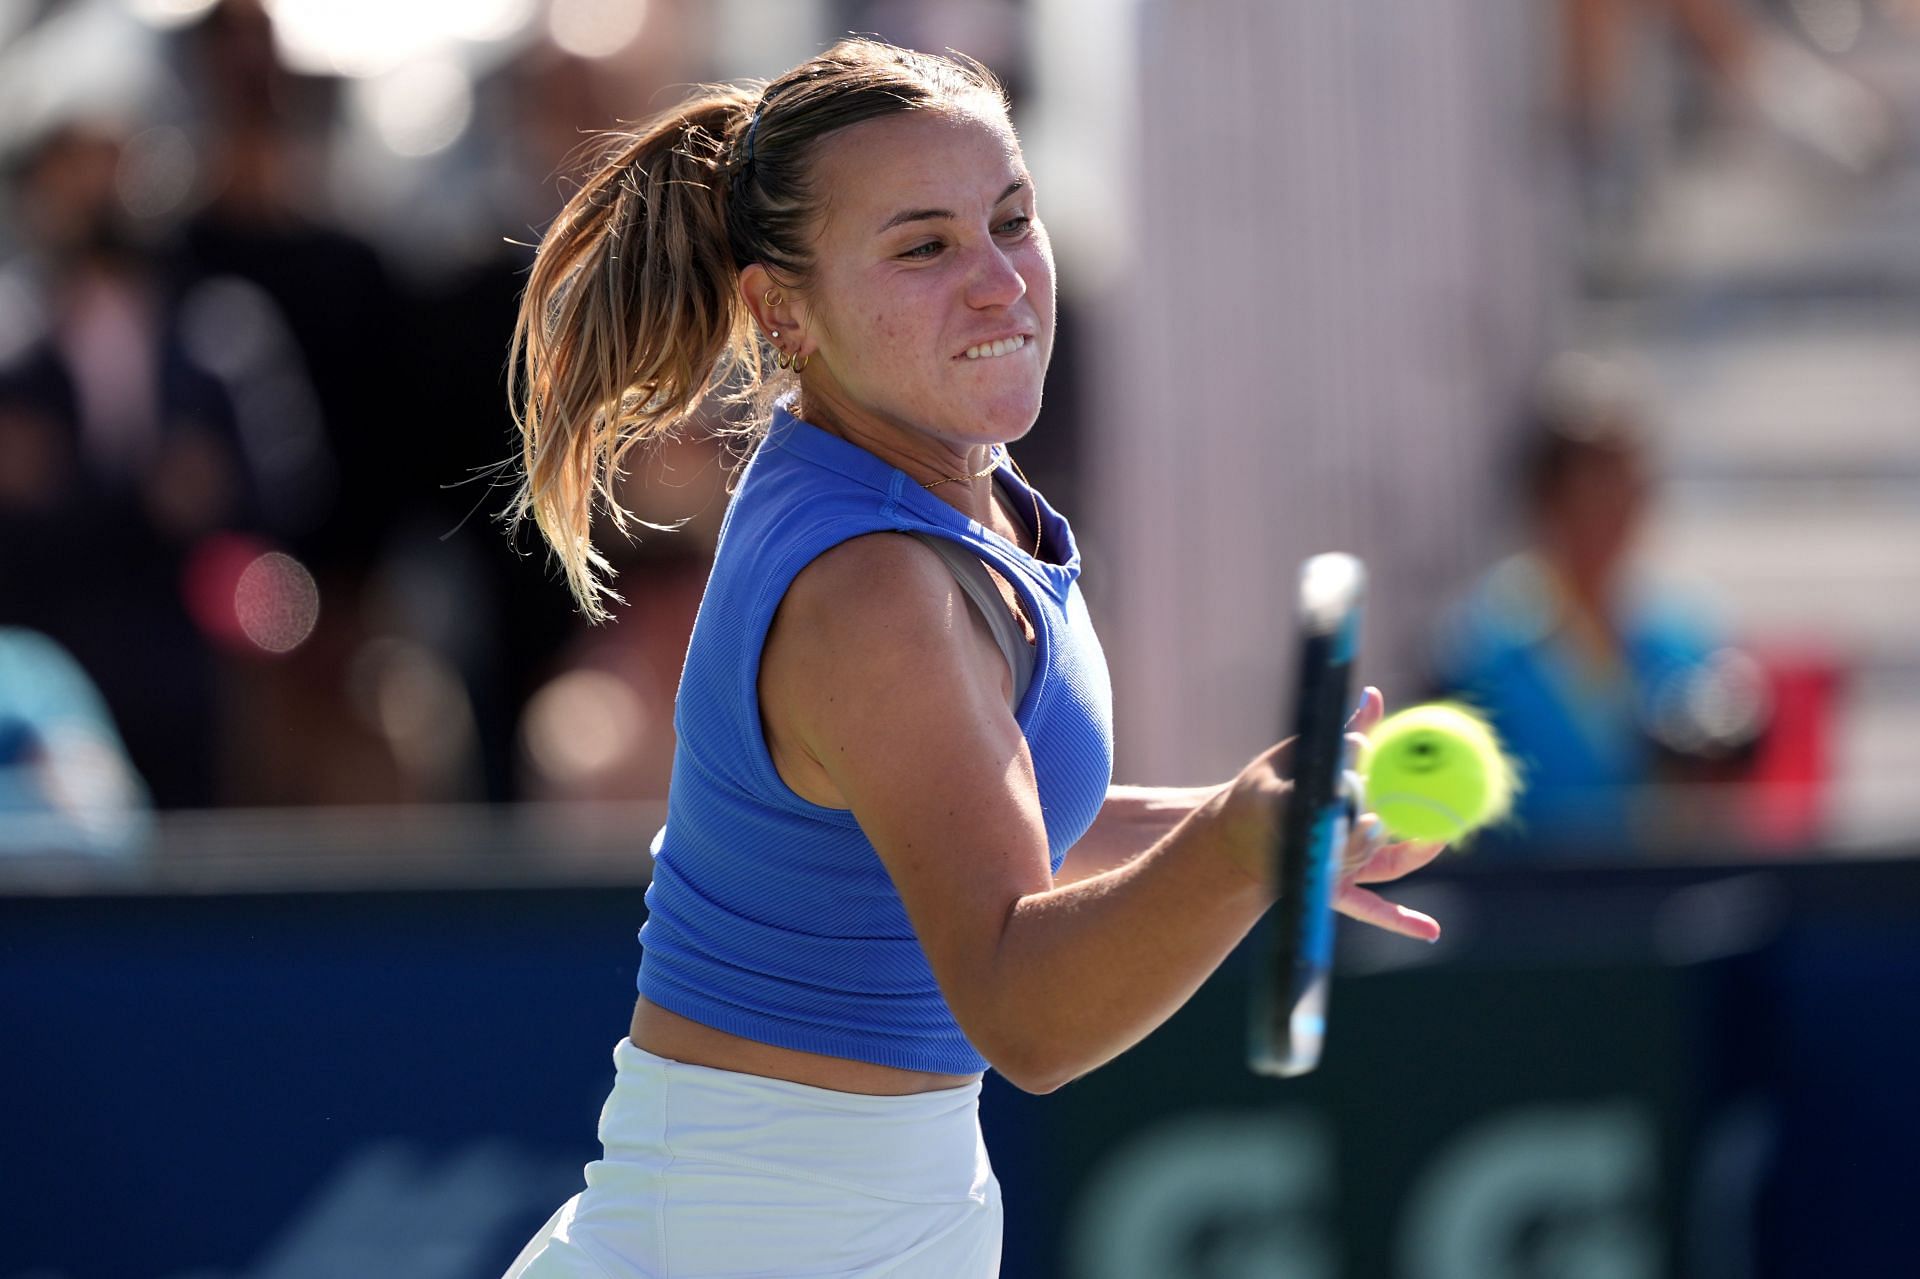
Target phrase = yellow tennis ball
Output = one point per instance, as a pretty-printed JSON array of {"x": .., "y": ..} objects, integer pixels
[{"x": 1436, "y": 772}]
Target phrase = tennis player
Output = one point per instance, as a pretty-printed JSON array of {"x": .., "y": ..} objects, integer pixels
[{"x": 894, "y": 720}]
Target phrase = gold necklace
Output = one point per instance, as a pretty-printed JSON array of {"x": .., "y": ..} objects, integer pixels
[{"x": 991, "y": 468}]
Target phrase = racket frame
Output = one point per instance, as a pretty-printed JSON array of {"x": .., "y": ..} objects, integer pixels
[{"x": 1289, "y": 1006}]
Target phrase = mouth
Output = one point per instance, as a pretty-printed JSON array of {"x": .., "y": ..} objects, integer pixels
[{"x": 995, "y": 349}]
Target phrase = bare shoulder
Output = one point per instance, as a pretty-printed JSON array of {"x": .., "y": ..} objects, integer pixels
[
  {"x": 878, "y": 583},
  {"x": 874, "y": 639},
  {"x": 876, "y": 611}
]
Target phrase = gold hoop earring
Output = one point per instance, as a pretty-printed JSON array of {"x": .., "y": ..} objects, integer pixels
[
  {"x": 773, "y": 297},
  {"x": 800, "y": 363},
  {"x": 782, "y": 360}
]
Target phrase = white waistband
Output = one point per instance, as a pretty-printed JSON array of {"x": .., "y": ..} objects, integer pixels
[{"x": 917, "y": 1148}]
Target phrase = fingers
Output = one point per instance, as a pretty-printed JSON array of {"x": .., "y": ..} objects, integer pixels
[
  {"x": 1367, "y": 714},
  {"x": 1369, "y": 907},
  {"x": 1278, "y": 758},
  {"x": 1368, "y": 837},
  {"x": 1369, "y": 858},
  {"x": 1391, "y": 861}
]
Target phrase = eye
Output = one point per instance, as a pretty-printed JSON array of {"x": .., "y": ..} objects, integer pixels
[
  {"x": 922, "y": 252},
  {"x": 1016, "y": 225}
]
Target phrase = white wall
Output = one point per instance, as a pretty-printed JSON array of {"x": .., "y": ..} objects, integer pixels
[{"x": 1342, "y": 274}]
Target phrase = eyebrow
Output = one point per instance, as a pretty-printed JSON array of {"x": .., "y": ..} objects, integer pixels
[{"x": 930, "y": 215}]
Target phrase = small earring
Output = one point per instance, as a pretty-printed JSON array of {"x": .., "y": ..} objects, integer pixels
[
  {"x": 800, "y": 363},
  {"x": 782, "y": 360},
  {"x": 775, "y": 335},
  {"x": 773, "y": 297}
]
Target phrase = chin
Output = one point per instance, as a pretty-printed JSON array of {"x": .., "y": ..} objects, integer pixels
[
  {"x": 1001, "y": 426},
  {"x": 1007, "y": 417}
]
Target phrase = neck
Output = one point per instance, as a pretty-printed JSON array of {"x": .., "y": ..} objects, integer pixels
[
  {"x": 925, "y": 458},
  {"x": 1586, "y": 589}
]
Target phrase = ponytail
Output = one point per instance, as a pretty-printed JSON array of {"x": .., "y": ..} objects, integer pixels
[{"x": 630, "y": 318}]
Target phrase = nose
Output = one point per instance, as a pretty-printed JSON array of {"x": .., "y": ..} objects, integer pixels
[{"x": 993, "y": 280}]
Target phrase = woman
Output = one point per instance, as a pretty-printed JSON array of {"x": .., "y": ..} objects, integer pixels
[{"x": 893, "y": 721}]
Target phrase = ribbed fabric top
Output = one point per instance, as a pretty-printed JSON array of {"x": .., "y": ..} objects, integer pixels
[{"x": 771, "y": 917}]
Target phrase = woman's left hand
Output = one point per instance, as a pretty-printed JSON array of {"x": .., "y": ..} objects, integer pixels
[{"x": 1370, "y": 859}]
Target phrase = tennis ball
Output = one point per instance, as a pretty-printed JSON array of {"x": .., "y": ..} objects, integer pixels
[{"x": 1436, "y": 772}]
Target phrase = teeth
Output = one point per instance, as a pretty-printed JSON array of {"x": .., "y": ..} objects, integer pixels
[{"x": 987, "y": 350}]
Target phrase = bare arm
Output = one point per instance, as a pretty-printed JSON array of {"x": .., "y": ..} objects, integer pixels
[
  {"x": 1135, "y": 818},
  {"x": 1132, "y": 820},
  {"x": 880, "y": 696}
]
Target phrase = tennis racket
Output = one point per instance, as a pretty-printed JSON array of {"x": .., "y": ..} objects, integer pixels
[{"x": 1289, "y": 1011}]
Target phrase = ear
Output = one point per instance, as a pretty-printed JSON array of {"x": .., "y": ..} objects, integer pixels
[{"x": 772, "y": 305}]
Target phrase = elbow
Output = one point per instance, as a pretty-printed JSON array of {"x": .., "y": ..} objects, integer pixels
[
  {"x": 1034, "y": 1068},
  {"x": 1026, "y": 1035},
  {"x": 1038, "y": 1085}
]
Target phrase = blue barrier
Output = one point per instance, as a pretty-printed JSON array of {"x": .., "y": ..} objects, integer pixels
[{"x": 1687, "y": 1072}]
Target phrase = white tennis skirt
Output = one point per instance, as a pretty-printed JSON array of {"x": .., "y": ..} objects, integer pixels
[{"x": 710, "y": 1174}]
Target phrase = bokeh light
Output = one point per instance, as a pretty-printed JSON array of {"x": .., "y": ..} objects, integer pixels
[
  {"x": 277, "y": 602},
  {"x": 156, "y": 172},
  {"x": 581, "y": 724},
  {"x": 415, "y": 699},
  {"x": 487, "y": 20},
  {"x": 417, "y": 109},
  {"x": 248, "y": 598},
  {"x": 373, "y": 37},
  {"x": 596, "y": 28}
]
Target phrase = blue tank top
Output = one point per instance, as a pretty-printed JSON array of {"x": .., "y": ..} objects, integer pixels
[{"x": 771, "y": 917}]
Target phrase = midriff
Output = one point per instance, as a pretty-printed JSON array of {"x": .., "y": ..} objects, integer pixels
[{"x": 677, "y": 1038}]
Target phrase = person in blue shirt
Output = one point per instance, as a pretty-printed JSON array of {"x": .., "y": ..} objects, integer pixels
[
  {"x": 1602, "y": 688},
  {"x": 893, "y": 855},
  {"x": 66, "y": 784}
]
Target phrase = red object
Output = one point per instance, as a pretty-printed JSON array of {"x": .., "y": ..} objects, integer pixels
[
  {"x": 209, "y": 580},
  {"x": 1793, "y": 764}
]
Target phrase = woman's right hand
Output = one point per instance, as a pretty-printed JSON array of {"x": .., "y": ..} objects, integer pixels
[{"x": 1249, "y": 811}]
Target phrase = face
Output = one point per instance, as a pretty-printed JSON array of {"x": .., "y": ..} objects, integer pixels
[
  {"x": 1598, "y": 510},
  {"x": 929, "y": 317}
]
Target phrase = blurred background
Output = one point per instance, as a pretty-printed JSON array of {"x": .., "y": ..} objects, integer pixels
[{"x": 1592, "y": 325}]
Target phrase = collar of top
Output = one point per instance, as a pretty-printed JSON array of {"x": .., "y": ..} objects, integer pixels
[{"x": 795, "y": 436}]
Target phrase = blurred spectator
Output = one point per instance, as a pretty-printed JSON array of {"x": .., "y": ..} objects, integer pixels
[
  {"x": 262, "y": 147},
  {"x": 192, "y": 388},
  {"x": 119, "y": 450},
  {"x": 387, "y": 691},
  {"x": 66, "y": 784},
  {"x": 1599, "y": 689}
]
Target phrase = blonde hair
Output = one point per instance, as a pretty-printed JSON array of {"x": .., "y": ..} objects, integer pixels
[{"x": 632, "y": 319}]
